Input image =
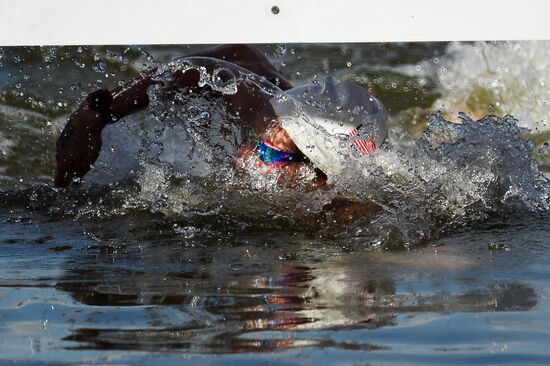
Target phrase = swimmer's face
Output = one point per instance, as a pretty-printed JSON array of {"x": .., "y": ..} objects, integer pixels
[
  {"x": 277, "y": 136},
  {"x": 287, "y": 174}
]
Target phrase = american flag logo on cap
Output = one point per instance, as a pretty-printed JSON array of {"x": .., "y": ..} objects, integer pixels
[{"x": 364, "y": 145}]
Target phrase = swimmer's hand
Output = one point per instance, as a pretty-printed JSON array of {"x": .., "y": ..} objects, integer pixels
[{"x": 79, "y": 144}]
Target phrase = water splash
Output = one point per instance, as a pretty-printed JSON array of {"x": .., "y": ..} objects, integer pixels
[
  {"x": 456, "y": 175},
  {"x": 453, "y": 176},
  {"x": 176, "y": 161},
  {"x": 497, "y": 78}
]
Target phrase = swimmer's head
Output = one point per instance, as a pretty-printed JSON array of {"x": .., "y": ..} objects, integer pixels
[{"x": 331, "y": 120}]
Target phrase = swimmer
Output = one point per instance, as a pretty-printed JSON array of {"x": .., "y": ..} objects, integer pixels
[{"x": 286, "y": 143}]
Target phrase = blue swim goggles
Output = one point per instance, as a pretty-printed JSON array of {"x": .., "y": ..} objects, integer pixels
[{"x": 269, "y": 154}]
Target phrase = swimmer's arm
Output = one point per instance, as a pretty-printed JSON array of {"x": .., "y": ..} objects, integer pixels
[
  {"x": 133, "y": 97},
  {"x": 79, "y": 144},
  {"x": 248, "y": 57}
]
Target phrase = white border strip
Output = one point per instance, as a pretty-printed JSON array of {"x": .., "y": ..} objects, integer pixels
[{"x": 72, "y": 22}]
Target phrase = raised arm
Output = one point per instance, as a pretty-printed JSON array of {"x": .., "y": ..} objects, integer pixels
[
  {"x": 133, "y": 97},
  {"x": 249, "y": 58},
  {"x": 79, "y": 144}
]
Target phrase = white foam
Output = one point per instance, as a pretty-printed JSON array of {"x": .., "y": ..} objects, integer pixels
[{"x": 516, "y": 73}]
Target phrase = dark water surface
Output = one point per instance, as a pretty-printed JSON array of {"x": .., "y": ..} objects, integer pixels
[
  {"x": 165, "y": 267},
  {"x": 67, "y": 297}
]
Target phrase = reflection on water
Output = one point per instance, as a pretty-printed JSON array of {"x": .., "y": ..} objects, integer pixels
[
  {"x": 251, "y": 295},
  {"x": 292, "y": 299}
]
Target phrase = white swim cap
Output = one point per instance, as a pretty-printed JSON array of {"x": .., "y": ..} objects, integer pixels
[{"x": 330, "y": 120}]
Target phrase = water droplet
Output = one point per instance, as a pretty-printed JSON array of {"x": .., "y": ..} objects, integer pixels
[
  {"x": 100, "y": 67},
  {"x": 497, "y": 247}
]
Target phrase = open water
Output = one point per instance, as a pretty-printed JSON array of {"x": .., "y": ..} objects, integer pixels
[{"x": 164, "y": 255}]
